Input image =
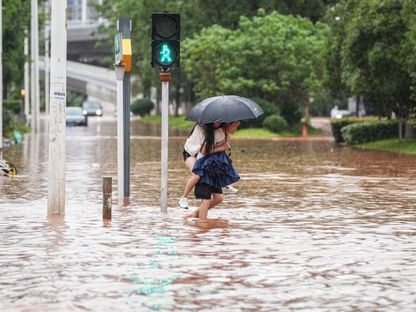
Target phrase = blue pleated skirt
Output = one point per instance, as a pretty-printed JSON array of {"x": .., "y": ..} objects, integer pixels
[{"x": 216, "y": 170}]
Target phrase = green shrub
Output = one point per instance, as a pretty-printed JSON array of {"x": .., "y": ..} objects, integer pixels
[
  {"x": 338, "y": 124},
  {"x": 142, "y": 107},
  {"x": 8, "y": 122},
  {"x": 275, "y": 123},
  {"x": 364, "y": 132},
  {"x": 14, "y": 106},
  {"x": 268, "y": 108}
]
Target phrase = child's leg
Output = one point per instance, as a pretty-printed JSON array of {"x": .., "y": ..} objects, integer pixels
[
  {"x": 203, "y": 209},
  {"x": 189, "y": 163},
  {"x": 190, "y": 184},
  {"x": 217, "y": 199}
]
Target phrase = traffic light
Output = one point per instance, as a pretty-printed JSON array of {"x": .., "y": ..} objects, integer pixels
[{"x": 166, "y": 40}]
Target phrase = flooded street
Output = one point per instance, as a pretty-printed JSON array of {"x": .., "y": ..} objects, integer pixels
[{"x": 314, "y": 227}]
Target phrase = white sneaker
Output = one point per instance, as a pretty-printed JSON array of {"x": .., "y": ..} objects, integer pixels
[
  {"x": 229, "y": 189},
  {"x": 183, "y": 202}
]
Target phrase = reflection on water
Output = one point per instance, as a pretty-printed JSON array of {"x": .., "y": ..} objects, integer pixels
[{"x": 314, "y": 227}]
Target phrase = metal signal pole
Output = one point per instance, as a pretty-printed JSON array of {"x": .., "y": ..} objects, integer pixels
[
  {"x": 124, "y": 27},
  {"x": 164, "y": 79}
]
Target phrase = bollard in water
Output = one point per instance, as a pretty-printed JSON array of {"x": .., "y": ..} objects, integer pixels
[{"x": 107, "y": 197}]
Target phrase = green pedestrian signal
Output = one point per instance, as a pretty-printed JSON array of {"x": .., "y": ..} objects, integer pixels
[
  {"x": 165, "y": 54},
  {"x": 165, "y": 40}
]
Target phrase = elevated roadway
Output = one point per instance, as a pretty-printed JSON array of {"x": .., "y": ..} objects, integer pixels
[{"x": 96, "y": 82}]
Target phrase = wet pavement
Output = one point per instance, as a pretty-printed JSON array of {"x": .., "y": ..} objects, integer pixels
[{"x": 314, "y": 227}]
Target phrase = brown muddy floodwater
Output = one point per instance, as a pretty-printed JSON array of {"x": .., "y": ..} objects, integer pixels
[{"x": 315, "y": 227}]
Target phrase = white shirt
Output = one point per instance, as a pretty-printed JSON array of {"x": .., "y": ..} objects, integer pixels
[{"x": 194, "y": 143}]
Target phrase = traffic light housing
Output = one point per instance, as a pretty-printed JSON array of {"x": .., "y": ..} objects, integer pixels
[{"x": 166, "y": 40}]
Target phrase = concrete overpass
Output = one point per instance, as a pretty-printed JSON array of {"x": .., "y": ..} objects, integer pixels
[
  {"x": 87, "y": 44},
  {"x": 97, "y": 83}
]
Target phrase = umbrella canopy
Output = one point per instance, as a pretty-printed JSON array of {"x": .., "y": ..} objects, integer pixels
[{"x": 225, "y": 108}]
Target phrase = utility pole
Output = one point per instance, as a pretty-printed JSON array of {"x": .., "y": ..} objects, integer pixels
[
  {"x": 26, "y": 76},
  {"x": 1, "y": 79},
  {"x": 35, "y": 66},
  {"x": 47, "y": 32},
  {"x": 56, "y": 174}
]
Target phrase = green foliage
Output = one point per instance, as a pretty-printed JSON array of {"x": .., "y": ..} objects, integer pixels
[
  {"x": 338, "y": 124},
  {"x": 370, "y": 52},
  {"x": 370, "y": 131},
  {"x": 254, "y": 133},
  {"x": 142, "y": 107},
  {"x": 393, "y": 145},
  {"x": 275, "y": 123},
  {"x": 274, "y": 57},
  {"x": 14, "y": 106},
  {"x": 196, "y": 15},
  {"x": 75, "y": 99},
  {"x": 409, "y": 42},
  {"x": 8, "y": 122},
  {"x": 268, "y": 108},
  {"x": 16, "y": 18}
]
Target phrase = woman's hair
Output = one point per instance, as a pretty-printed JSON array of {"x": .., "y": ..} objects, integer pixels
[{"x": 209, "y": 143}]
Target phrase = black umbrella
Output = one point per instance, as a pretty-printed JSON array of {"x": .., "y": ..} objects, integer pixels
[{"x": 225, "y": 108}]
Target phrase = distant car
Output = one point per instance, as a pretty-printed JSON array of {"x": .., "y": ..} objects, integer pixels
[
  {"x": 92, "y": 108},
  {"x": 75, "y": 117}
]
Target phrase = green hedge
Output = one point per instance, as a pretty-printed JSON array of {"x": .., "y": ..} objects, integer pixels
[
  {"x": 338, "y": 124},
  {"x": 364, "y": 132},
  {"x": 275, "y": 123},
  {"x": 142, "y": 107}
]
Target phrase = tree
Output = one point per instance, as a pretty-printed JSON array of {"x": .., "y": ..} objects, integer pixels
[
  {"x": 16, "y": 18},
  {"x": 409, "y": 44},
  {"x": 369, "y": 53},
  {"x": 215, "y": 12},
  {"x": 274, "y": 57}
]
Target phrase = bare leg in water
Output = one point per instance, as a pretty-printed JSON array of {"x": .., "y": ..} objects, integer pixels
[{"x": 206, "y": 204}]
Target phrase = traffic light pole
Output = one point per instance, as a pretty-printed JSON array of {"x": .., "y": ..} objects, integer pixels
[
  {"x": 164, "y": 79},
  {"x": 165, "y": 55},
  {"x": 124, "y": 27},
  {"x": 119, "y": 69}
]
